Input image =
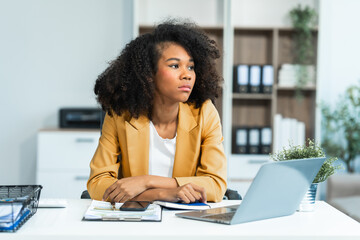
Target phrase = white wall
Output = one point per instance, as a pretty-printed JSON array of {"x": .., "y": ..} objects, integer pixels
[
  {"x": 210, "y": 12},
  {"x": 265, "y": 13},
  {"x": 50, "y": 55},
  {"x": 339, "y": 51},
  {"x": 203, "y": 12},
  {"x": 339, "y": 47}
]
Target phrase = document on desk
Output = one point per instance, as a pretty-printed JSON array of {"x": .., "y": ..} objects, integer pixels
[{"x": 104, "y": 211}]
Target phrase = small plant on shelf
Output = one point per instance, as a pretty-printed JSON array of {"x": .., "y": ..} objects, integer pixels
[
  {"x": 309, "y": 150},
  {"x": 303, "y": 21}
]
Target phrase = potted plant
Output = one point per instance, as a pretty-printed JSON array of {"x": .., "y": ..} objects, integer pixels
[
  {"x": 341, "y": 127},
  {"x": 303, "y": 20},
  {"x": 308, "y": 150}
]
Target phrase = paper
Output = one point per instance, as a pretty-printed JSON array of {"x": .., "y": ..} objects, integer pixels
[
  {"x": 100, "y": 210},
  {"x": 9, "y": 211}
]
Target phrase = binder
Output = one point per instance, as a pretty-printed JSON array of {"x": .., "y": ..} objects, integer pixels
[
  {"x": 240, "y": 136},
  {"x": 255, "y": 78},
  {"x": 267, "y": 78},
  {"x": 241, "y": 81},
  {"x": 266, "y": 138},
  {"x": 254, "y": 140}
]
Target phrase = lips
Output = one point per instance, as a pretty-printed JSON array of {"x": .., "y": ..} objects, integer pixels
[{"x": 186, "y": 88}]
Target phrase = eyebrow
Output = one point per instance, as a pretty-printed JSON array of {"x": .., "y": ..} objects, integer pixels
[{"x": 178, "y": 59}]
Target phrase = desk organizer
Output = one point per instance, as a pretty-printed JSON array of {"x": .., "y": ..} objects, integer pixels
[{"x": 17, "y": 204}]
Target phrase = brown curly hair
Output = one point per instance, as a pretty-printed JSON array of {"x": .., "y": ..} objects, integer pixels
[{"x": 127, "y": 85}]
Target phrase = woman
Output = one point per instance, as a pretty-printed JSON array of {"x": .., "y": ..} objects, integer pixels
[{"x": 160, "y": 120}]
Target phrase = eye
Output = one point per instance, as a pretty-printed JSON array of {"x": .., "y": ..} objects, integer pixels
[
  {"x": 191, "y": 68},
  {"x": 175, "y": 66}
]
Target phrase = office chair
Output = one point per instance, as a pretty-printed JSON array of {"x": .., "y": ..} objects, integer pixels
[{"x": 229, "y": 194}]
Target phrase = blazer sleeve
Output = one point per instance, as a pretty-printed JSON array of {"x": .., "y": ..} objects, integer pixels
[
  {"x": 212, "y": 168},
  {"x": 104, "y": 166}
]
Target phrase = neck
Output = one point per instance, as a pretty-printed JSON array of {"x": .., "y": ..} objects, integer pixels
[{"x": 164, "y": 113}]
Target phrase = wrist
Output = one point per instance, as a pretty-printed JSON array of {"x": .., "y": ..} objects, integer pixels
[
  {"x": 160, "y": 194},
  {"x": 149, "y": 183}
]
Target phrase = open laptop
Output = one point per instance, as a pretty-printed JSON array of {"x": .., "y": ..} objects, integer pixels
[{"x": 276, "y": 191}]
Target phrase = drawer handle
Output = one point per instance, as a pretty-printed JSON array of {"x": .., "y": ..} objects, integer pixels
[
  {"x": 253, "y": 161},
  {"x": 84, "y": 140},
  {"x": 81, "y": 178}
]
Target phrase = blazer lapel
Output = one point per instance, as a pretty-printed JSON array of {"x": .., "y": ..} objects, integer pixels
[
  {"x": 137, "y": 135},
  {"x": 185, "y": 140}
]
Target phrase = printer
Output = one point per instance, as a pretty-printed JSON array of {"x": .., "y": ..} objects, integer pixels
[{"x": 80, "y": 117}]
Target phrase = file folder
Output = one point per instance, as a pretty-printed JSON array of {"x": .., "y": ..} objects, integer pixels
[
  {"x": 267, "y": 78},
  {"x": 266, "y": 138},
  {"x": 254, "y": 140},
  {"x": 240, "y": 136},
  {"x": 241, "y": 81},
  {"x": 255, "y": 78}
]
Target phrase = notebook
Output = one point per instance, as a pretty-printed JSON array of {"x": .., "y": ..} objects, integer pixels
[
  {"x": 104, "y": 211},
  {"x": 276, "y": 191},
  {"x": 183, "y": 206}
]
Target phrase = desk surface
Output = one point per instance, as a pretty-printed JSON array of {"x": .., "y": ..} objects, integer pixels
[{"x": 65, "y": 223}]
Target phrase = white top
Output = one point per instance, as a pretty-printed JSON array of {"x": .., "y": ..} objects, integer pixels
[{"x": 161, "y": 154}]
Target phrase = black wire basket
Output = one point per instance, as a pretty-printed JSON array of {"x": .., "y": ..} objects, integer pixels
[{"x": 17, "y": 204}]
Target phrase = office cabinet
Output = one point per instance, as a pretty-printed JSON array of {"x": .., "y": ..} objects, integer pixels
[{"x": 63, "y": 158}]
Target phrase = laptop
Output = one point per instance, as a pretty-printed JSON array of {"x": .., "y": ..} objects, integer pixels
[{"x": 276, "y": 191}]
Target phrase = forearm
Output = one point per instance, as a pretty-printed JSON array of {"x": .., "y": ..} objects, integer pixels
[
  {"x": 149, "y": 195},
  {"x": 153, "y": 181}
]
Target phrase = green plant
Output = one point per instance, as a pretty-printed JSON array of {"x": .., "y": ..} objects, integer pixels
[
  {"x": 341, "y": 127},
  {"x": 309, "y": 150},
  {"x": 303, "y": 20}
]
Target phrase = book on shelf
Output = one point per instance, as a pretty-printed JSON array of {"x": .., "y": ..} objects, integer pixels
[
  {"x": 287, "y": 131},
  {"x": 288, "y": 75},
  {"x": 183, "y": 206}
]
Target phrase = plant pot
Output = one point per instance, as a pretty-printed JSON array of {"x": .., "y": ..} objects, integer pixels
[{"x": 308, "y": 202}]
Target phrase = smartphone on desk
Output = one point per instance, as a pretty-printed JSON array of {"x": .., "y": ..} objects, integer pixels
[{"x": 134, "y": 206}]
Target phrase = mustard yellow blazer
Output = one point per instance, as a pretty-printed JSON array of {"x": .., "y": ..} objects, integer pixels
[{"x": 199, "y": 156}]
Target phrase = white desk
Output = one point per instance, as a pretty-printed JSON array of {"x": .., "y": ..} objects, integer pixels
[{"x": 48, "y": 224}]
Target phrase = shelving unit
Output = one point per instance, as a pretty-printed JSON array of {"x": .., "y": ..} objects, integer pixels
[
  {"x": 270, "y": 46},
  {"x": 255, "y": 46}
]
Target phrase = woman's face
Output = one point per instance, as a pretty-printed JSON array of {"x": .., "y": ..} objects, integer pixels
[{"x": 175, "y": 77}]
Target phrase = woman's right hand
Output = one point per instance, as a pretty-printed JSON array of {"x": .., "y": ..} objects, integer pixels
[{"x": 187, "y": 193}]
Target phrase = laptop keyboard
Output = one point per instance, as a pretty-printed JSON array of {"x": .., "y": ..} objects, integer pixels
[{"x": 223, "y": 217}]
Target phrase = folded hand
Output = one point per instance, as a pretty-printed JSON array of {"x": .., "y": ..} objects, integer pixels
[{"x": 125, "y": 189}]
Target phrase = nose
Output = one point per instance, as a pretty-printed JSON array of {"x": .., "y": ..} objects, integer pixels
[{"x": 186, "y": 74}]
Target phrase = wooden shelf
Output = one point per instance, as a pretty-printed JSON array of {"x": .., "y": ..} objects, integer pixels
[
  {"x": 294, "y": 88},
  {"x": 250, "y": 96}
]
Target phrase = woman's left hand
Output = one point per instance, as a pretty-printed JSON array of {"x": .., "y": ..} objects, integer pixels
[{"x": 125, "y": 189}]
